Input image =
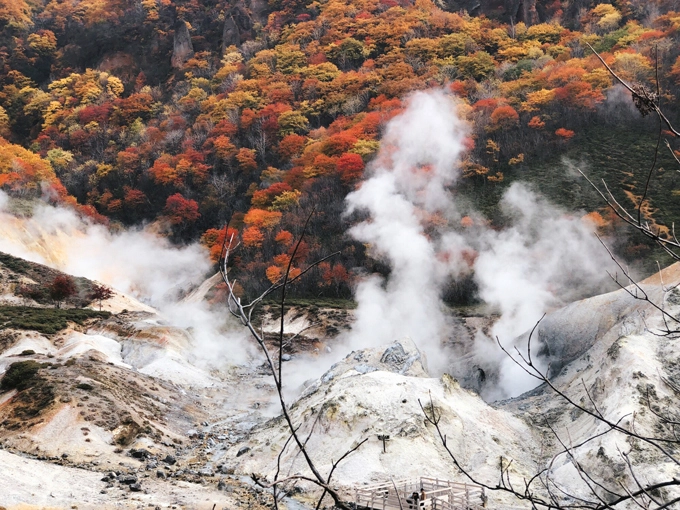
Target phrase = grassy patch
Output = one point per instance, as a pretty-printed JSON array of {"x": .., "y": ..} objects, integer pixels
[
  {"x": 45, "y": 320},
  {"x": 620, "y": 156},
  {"x": 20, "y": 375},
  {"x": 35, "y": 392},
  {"x": 323, "y": 302},
  {"x": 15, "y": 264}
]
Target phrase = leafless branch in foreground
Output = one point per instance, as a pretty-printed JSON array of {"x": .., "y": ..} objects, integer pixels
[
  {"x": 543, "y": 491},
  {"x": 243, "y": 312}
]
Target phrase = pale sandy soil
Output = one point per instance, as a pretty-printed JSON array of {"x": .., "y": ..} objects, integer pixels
[{"x": 28, "y": 484}]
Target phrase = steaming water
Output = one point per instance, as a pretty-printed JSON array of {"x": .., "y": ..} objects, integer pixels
[
  {"x": 539, "y": 260},
  {"x": 136, "y": 262}
]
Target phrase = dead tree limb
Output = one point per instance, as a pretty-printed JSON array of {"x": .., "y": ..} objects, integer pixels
[{"x": 243, "y": 312}]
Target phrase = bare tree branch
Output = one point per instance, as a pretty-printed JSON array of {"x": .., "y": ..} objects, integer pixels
[{"x": 244, "y": 313}]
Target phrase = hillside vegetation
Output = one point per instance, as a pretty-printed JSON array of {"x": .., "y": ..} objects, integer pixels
[{"x": 194, "y": 114}]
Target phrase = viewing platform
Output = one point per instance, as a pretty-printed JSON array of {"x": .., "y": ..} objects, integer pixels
[{"x": 423, "y": 492}]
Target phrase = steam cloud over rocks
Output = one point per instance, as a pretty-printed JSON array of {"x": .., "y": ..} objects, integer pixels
[
  {"x": 136, "y": 262},
  {"x": 541, "y": 259},
  {"x": 409, "y": 178}
]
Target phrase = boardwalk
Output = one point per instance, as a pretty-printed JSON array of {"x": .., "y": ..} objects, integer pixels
[{"x": 439, "y": 495}]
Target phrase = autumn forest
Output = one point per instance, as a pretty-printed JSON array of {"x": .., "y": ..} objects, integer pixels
[{"x": 187, "y": 115}]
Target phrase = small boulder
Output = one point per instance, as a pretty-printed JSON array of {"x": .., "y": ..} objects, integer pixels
[
  {"x": 140, "y": 453},
  {"x": 127, "y": 479}
]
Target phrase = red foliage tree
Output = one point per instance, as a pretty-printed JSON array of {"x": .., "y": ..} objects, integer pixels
[
  {"x": 339, "y": 143},
  {"x": 214, "y": 240},
  {"x": 94, "y": 113},
  {"x": 564, "y": 133},
  {"x": 504, "y": 117},
  {"x": 134, "y": 198},
  {"x": 350, "y": 167},
  {"x": 290, "y": 146},
  {"x": 252, "y": 237},
  {"x": 246, "y": 160},
  {"x": 536, "y": 123},
  {"x": 61, "y": 288},
  {"x": 100, "y": 293},
  {"x": 180, "y": 210}
]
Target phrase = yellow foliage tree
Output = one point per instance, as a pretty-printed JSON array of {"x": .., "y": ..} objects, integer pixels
[{"x": 21, "y": 169}]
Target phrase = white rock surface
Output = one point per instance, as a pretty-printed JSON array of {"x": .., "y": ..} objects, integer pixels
[
  {"x": 30, "y": 484},
  {"x": 363, "y": 397}
]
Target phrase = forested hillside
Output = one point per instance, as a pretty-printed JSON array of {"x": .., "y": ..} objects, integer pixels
[{"x": 190, "y": 114}]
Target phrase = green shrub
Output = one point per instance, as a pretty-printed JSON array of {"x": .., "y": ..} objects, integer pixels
[
  {"x": 20, "y": 375},
  {"x": 45, "y": 320},
  {"x": 15, "y": 264}
]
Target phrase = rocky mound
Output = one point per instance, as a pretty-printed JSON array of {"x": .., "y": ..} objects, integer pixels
[
  {"x": 102, "y": 409},
  {"x": 376, "y": 392},
  {"x": 610, "y": 356}
]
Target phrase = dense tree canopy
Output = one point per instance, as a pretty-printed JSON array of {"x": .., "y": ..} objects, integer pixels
[{"x": 194, "y": 114}]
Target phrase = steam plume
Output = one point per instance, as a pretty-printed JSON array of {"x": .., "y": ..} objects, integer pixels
[
  {"x": 136, "y": 262},
  {"x": 416, "y": 164},
  {"x": 542, "y": 259}
]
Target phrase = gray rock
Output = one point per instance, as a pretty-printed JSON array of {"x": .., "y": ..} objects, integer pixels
[
  {"x": 135, "y": 487},
  {"x": 243, "y": 450},
  {"x": 182, "y": 49},
  {"x": 160, "y": 475},
  {"x": 364, "y": 369},
  {"x": 169, "y": 459},
  {"x": 230, "y": 33},
  {"x": 140, "y": 454},
  {"x": 127, "y": 479},
  {"x": 286, "y": 357},
  {"x": 394, "y": 355}
]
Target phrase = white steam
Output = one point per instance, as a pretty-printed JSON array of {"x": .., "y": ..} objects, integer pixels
[
  {"x": 136, "y": 262},
  {"x": 418, "y": 160},
  {"x": 540, "y": 260},
  {"x": 543, "y": 260}
]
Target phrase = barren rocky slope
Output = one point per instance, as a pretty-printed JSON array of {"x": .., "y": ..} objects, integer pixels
[
  {"x": 606, "y": 353},
  {"x": 116, "y": 412}
]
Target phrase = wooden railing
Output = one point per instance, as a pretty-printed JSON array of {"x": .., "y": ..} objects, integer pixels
[{"x": 440, "y": 494}]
